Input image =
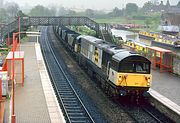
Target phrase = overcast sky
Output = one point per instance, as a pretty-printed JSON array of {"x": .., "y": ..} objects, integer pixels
[{"x": 84, "y": 4}]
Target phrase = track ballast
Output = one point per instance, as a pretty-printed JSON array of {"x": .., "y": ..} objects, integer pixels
[{"x": 73, "y": 108}]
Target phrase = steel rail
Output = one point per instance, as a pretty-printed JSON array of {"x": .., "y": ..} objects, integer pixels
[{"x": 71, "y": 103}]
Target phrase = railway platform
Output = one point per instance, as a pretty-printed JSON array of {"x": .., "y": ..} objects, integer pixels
[
  {"x": 167, "y": 84},
  {"x": 35, "y": 102},
  {"x": 165, "y": 90}
]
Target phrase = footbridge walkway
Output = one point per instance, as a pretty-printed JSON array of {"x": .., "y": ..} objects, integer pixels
[{"x": 24, "y": 22}]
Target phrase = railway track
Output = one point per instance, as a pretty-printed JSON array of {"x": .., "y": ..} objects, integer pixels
[
  {"x": 73, "y": 108},
  {"x": 143, "y": 113}
]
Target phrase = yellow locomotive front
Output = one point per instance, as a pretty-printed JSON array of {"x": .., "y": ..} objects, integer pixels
[{"x": 130, "y": 73}]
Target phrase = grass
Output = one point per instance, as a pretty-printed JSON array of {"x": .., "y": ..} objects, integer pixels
[
  {"x": 153, "y": 21},
  {"x": 119, "y": 20},
  {"x": 111, "y": 20}
]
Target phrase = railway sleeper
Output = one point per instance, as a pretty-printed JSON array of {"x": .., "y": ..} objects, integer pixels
[
  {"x": 66, "y": 98},
  {"x": 79, "y": 118},
  {"x": 66, "y": 93},
  {"x": 77, "y": 114},
  {"x": 63, "y": 89},
  {"x": 69, "y": 105},
  {"x": 74, "y": 111},
  {"x": 69, "y": 101},
  {"x": 73, "y": 108}
]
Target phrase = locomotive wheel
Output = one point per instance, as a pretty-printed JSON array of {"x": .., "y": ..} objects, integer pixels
[
  {"x": 90, "y": 72},
  {"x": 103, "y": 85},
  {"x": 113, "y": 92}
]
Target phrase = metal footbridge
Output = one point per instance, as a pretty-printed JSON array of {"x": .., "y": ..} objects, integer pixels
[{"x": 24, "y": 22}]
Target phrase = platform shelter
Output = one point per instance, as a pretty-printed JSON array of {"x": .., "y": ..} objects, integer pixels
[
  {"x": 19, "y": 65},
  {"x": 161, "y": 58}
]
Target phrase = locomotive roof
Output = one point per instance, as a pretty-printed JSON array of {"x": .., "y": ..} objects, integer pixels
[
  {"x": 90, "y": 39},
  {"x": 120, "y": 56},
  {"x": 72, "y": 33},
  {"x": 114, "y": 50},
  {"x": 104, "y": 45},
  {"x": 75, "y": 34}
]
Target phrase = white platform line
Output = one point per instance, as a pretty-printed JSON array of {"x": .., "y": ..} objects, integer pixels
[
  {"x": 165, "y": 101},
  {"x": 55, "y": 112}
]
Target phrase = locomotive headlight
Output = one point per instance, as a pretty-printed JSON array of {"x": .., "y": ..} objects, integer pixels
[
  {"x": 120, "y": 78},
  {"x": 148, "y": 79},
  {"x": 148, "y": 83}
]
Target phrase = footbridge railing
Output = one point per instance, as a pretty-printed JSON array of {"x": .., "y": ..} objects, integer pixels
[
  {"x": 47, "y": 21},
  {"x": 51, "y": 20}
]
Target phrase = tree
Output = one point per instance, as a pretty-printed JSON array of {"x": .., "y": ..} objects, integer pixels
[
  {"x": 155, "y": 2},
  {"x": 178, "y": 5},
  {"x": 147, "y": 6},
  {"x": 53, "y": 11},
  {"x": 71, "y": 12},
  {"x": 117, "y": 12},
  {"x": 131, "y": 8},
  {"x": 89, "y": 13},
  {"x": 37, "y": 10},
  {"x": 3, "y": 15},
  {"x": 40, "y": 10},
  {"x": 62, "y": 11},
  {"x": 12, "y": 9},
  {"x": 21, "y": 14},
  {"x": 148, "y": 22}
]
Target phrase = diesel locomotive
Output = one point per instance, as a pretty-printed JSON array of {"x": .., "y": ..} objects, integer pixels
[{"x": 118, "y": 71}]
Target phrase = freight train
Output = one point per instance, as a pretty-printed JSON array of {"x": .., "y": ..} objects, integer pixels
[{"x": 118, "y": 71}]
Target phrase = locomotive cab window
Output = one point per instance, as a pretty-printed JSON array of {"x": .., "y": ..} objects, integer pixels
[
  {"x": 114, "y": 65},
  {"x": 134, "y": 67},
  {"x": 131, "y": 64}
]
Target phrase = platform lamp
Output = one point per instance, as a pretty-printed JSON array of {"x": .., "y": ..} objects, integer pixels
[
  {"x": 13, "y": 116},
  {"x": 19, "y": 28}
]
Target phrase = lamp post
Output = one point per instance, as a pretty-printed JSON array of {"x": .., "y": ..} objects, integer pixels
[
  {"x": 13, "y": 117},
  {"x": 19, "y": 24}
]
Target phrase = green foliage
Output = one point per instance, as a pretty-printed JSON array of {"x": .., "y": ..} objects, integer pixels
[
  {"x": 89, "y": 13},
  {"x": 147, "y": 6},
  {"x": 148, "y": 21},
  {"x": 112, "y": 20},
  {"x": 178, "y": 4},
  {"x": 83, "y": 30},
  {"x": 62, "y": 11},
  {"x": 24, "y": 39},
  {"x": 139, "y": 17},
  {"x": 119, "y": 20},
  {"x": 154, "y": 21},
  {"x": 12, "y": 9},
  {"x": 116, "y": 12},
  {"x": 8, "y": 12},
  {"x": 131, "y": 8},
  {"x": 71, "y": 12},
  {"x": 21, "y": 14},
  {"x": 40, "y": 10},
  {"x": 151, "y": 20},
  {"x": 3, "y": 14}
]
